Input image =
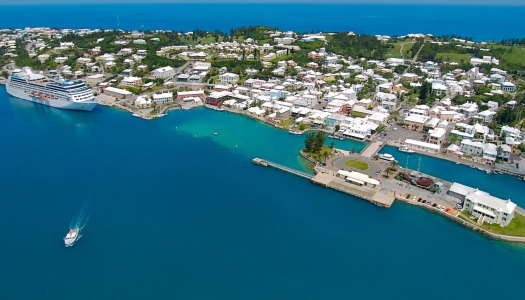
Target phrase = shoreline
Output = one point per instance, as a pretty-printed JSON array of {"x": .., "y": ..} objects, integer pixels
[{"x": 455, "y": 218}]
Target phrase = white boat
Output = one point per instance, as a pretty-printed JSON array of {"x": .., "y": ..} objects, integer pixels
[
  {"x": 488, "y": 171},
  {"x": 213, "y": 107},
  {"x": 405, "y": 149},
  {"x": 386, "y": 156},
  {"x": 71, "y": 237},
  {"x": 161, "y": 115},
  {"x": 295, "y": 132},
  {"x": 137, "y": 115}
]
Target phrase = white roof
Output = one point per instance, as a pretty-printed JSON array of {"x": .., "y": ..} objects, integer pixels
[
  {"x": 116, "y": 90},
  {"x": 190, "y": 93},
  {"x": 422, "y": 144},
  {"x": 461, "y": 189},
  {"x": 498, "y": 204},
  {"x": 417, "y": 119},
  {"x": 163, "y": 95},
  {"x": 358, "y": 176}
]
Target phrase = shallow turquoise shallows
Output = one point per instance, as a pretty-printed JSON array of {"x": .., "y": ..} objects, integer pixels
[{"x": 182, "y": 217}]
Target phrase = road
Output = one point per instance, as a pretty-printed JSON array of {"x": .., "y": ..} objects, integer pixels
[{"x": 415, "y": 56}]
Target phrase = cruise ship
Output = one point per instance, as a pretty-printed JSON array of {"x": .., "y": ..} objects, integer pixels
[{"x": 55, "y": 92}]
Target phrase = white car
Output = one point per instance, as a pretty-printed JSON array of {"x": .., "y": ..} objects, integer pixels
[
  {"x": 441, "y": 207},
  {"x": 395, "y": 128}
]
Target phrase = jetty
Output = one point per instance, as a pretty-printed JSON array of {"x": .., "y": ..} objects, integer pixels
[
  {"x": 327, "y": 178},
  {"x": 267, "y": 163}
]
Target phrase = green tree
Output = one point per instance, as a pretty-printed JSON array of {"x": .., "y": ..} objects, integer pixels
[
  {"x": 332, "y": 144},
  {"x": 319, "y": 138},
  {"x": 309, "y": 142}
]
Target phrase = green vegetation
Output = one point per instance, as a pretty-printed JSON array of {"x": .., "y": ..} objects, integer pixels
[
  {"x": 396, "y": 47},
  {"x": 356, "y": 164},
  {"x": 232, "y": 64},
  {"x": 314, "y": 141},
  {"x": 358, "y": 45},
  {"x": 456, "y": 57},
  {"x": 287, "y": 122},
  {"x": 516, "y": 227},
  {"x": 320, "y": 156},
  {"x": 358, "y": 114}
]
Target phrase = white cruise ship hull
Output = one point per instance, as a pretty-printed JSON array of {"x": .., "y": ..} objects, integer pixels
[{"x": 88, "y": 105}]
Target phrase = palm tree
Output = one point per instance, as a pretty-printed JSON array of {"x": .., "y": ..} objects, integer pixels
[
  {"x": 332, "y": 144},
  {"x": 388, "y": 171},
  {"x": 352, "y": 150},
  {"x": 394, "y": 164},
  {"x": 325, "y": 155}
]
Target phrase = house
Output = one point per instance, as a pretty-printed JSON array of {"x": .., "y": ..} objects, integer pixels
[
  {"x": 436, "y": 136},
  {"x": 486, "y": 116},
  {"x": 508, "y": 87},
  {"x": 438, "y": 88},
  {"x": 131, "y": 81},
  {"x": 183, "y": 77},
  {"x": 94, "y": 79},
  {"x": 511, "y": 132},
  {"x": 415, "y": 122},
  {"x": 143, "y": 102},
  {"x": 164, "y": 72},
  {"x": 229, "y": 78},
  {"x": 163, "y": 98}
]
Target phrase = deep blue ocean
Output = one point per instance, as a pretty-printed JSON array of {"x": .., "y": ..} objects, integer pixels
[
  {"x": 179, "y": 213},
  {"x": 480, "y": 22}
]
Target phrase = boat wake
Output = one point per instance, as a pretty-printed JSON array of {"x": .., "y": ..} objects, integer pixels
[{"x": 78, "y": 223}]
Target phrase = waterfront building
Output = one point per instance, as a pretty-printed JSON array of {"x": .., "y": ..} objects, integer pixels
[
  {"x": 436, "y": 136},
  {"x": 512, "y": 132},
  {"x": 143, "y": 102},
  {"x": 199, "y": 93},
  {"x": 117, "y": 93},
  {"x": 163, "y": 98},
  {"x": 357, "y": 178},
  {"x": 490, "y": 209},
  {"x": 422, "y": 146}
]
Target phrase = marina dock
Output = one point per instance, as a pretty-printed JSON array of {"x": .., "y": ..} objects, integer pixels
[{"x": 327, "y": 178}]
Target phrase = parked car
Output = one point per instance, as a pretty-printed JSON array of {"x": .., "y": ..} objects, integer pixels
[
  {"x": 429, "y": 202},
  {"x": 447, "y": 210},
  {"x": 441, "y": 207},
  {"x": 414, "y": 199},
  {"x": 434, "y": 205},
  {"x": 424, "y": 201},
  {"x": 408, "y": 196},
  {"x": 419, "y": 200}
]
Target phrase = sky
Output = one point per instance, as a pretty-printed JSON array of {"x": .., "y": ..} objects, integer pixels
[{"x": 455, "y": 2}]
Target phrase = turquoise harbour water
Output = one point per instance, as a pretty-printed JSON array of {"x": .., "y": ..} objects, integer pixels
[
  {"x": 183, "y": 217},
  {"x": 477, "y": 21}
]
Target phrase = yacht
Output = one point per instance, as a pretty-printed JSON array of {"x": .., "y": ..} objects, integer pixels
[
  {"x": 71, "y": 237},
  {"x": 386, "y": 156},
  {"x": 405, "y": 149},
  {"x": 295, "y": 132}
]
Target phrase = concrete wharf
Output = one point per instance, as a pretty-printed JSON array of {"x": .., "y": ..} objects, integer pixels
[{"x": 327, "y": 178}]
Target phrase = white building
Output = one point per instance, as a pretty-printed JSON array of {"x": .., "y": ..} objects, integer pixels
[
  {"x": 131, "y": 81},
  {"x": 229, "y": 78},
  {"x": 164, "y": 72},
  {"x": 143, "y": 102},
  {"x": 422, "y": 146},
  {"x": 163, "y": 98},
  {"x": 491, "y": 209}
]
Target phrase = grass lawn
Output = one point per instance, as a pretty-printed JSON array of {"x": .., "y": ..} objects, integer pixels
[
  {"x": 356, "y": 164},
  {"x": 394, "y": 52},
  {"x": 320, "y": 156},
  {"x": 516, "y": 227},
  {"x": 454, "y": 56},
  {"x": 286, "y": 123},
  {"x": 517, "y": 56},
  {"x": 358, "y": 114}
]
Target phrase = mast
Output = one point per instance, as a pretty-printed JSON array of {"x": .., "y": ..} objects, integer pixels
[{"x": 419, "y": 164}]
